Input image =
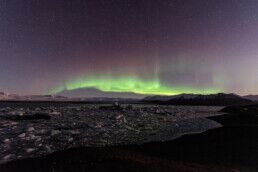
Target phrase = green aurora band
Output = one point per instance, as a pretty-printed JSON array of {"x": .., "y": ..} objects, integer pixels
[{"x": 130, "y": 84}]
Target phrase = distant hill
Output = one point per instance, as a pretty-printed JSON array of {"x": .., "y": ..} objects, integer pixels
[
  {"x": 96, "y": 96},
  {"x": 219, "y": 99},
  {"x": 105, "y": 100},
  {"x": 93, "y": 93},
  {"x": 16, "y": 97},
  {"x": 251, "y": 97},
  {"x": 166, "y": 98}
]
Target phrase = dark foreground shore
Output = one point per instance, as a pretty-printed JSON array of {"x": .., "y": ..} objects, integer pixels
[{"x": 233, "y": 147}]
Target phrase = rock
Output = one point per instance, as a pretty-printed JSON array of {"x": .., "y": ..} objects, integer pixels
[
  {"x": 17, "y": 113},
  {"x": 32, "y": 136},
  {"x": 119, "y": 117},
  {"x": 8, "y": 108},
  {"x": 130, "y": 128},
  {"x": 4, "y": 110},
  {"x": 98, "y": 125},
  {"x": 73, "y": 132},
  {"x": 22, "y": 135},
  {"x": 31, "y": 129},
  {"x": 30, "y": 150},
  {"x": 55, "y": 132},
  {"x": 116, "y": 104},
  {"x": 159, "y": 112},
  {"x": 10, "y": 156},
  {"x": 42, "y": 131},
  {"x": 14, "y": 123},
  {"x": 38, "y": 109},
  {"x": 48, "y": 148},
  {"x": 6, "y": 140},
  {"x": 39, "y": 139},
  {"x": 129, "y": 107},
  {"x": 55, "y": 113}
]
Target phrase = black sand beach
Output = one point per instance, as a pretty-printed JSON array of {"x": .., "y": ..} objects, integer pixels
[{"x": 233, "y": 147}]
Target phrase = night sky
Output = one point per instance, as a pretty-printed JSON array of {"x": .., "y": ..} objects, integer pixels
[{"x": 142, "y": 46}]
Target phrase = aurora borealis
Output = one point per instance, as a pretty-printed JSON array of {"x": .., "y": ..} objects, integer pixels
[
  {"x": 163, "y": 47},
  {"x": 129, "y": 84}
]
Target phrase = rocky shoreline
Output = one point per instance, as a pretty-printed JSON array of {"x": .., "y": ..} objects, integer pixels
[
  {"x": 231, "y": 148},
  {"x": 30, "y": 130}
]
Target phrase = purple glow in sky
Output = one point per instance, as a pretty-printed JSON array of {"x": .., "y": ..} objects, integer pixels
[{"x": 198, "y": 44}]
